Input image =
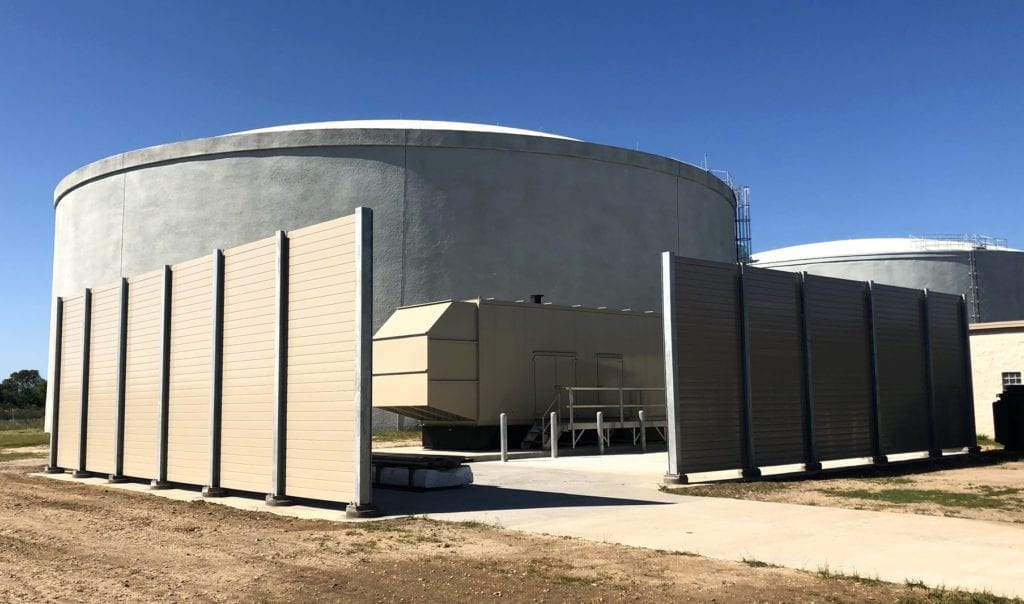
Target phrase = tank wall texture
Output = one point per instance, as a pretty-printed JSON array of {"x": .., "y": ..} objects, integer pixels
[
  {"x": 1000, "y": 276},
  {"x": 456, "y": 214}
]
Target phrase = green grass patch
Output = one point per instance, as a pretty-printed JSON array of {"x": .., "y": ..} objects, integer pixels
[
  {"x": 404, "y": 436},
  {"x": 21, "y": 424},
  {"x": 732, "y": 490},
  {"x": 990, "y": 498},
  {"x": 16, "y": 455},
  {"x": 23, "y": 438},
  {"x": 755, "y": 563},
  {"x": 984, "y": 440}
]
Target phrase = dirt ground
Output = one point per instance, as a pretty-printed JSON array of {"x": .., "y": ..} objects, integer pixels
[
  {"x": 985, "y": 487},
  {"x": 69, "y": 542}
]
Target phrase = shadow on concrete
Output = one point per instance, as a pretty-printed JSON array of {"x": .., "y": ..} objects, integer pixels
[{"x": 482, "y": 498}]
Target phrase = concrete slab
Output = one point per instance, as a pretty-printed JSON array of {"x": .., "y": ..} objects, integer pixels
[{"x": 615, "y": 499}]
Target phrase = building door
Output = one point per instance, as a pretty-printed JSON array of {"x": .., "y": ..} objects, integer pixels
[
  {"x": 550, "y": 370},
  {"x": 609, "y": 375}
]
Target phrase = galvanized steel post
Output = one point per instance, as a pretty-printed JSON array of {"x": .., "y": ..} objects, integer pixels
[
  {"x": 122, "y": 367},
  {"x": 811, "y": 461},
  {"x": 83, "y": 427},
  {"x": 160, "y": 482},
  {"x": 878, "y": 455},
  {"x": 212, "y": 489},
  {"x": 503, "y": 429},
  {"x": 750, "y": 469},
  {"x": 278, "y": 487},
  {"x": 553, "y": 441},
  {"x": 965, "y": 342},
  {"x": 52, "y": 467},
  {"x": 600, "y": 432},
  {"x": 933, "y": 437},
  {"x": 643, "y": 430},
  {"x": 670, "y": 345},
  {"x": 361, "y": 504}
]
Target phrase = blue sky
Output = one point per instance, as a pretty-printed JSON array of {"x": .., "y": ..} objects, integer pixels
[{"x": 847, "y": 119}]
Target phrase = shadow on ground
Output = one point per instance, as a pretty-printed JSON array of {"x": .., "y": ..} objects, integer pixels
[{"x": 481, "y": 498}]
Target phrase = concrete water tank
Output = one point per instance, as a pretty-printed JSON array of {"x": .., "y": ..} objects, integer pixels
[{"x": 460, "y": 210}]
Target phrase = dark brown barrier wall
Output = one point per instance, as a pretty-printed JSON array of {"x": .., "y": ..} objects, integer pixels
[
  {"x": 954, "y": 423},
  {"x": 775, "y": 339},
  {"x": 709, "y": 365},
  {"x": 837, "y": 318},
  {"x": 902, "y": 369},
  {"x": 769, "y": 368}
]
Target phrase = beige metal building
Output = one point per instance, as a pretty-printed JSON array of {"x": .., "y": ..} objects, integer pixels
[
  {"x": 456, "y": 366},
  {"x": 997, "y": 360}
]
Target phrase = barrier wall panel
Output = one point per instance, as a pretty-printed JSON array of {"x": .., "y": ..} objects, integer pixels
[
  {"x": 70, "y": 414},
  {"x": 902, "y": 372},
  {"x": 247, "y": 398},
  {"x": 709, "y": 366},
  {"x": 103, "y": 377},
  {"x": 776, "y": 365},
  {"x": 841, "y": 367},
  {"x": 321, "y": 361},
  {"x": 953, "y": 408},
  {"x": 188, "y": 423},
  {"x": 142, "y": 375}
]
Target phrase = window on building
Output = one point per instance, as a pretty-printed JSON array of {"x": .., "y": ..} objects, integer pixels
[{"x": 1011, "y": 378}]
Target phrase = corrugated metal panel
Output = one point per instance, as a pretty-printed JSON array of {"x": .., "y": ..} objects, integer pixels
[
  {"x": 103, "y": 348},
  {"x": 840, "y": 367},
  {"x": 952, "y": 402},
  {"x": 188, "y": 423},
  {"x": 247, "y": 399},
  {"x": 776, "y": 365},
  {"x": 709, "y": 365},
  {"x": 142, "y": 375},
  {"x": 321, "y": 360},
  {"x": 69, "y": 427},
  {"x": 902, "y": 373}
]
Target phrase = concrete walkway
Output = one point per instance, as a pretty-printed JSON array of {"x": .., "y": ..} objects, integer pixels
[{"x": 615, "y": 499}]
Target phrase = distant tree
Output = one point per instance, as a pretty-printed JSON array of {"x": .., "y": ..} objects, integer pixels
[{"x": 25, "y": 388}]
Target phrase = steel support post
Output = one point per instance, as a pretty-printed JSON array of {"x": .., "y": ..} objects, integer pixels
[
  {"x": 213, "y": 489},
  {"x": 83, "y": 427},
  {"x": 160, "y": 482},
  {"x": 361, "y": 504},
  {"x": 278, "y": 489},
  {"x": 51, "y": 466}
]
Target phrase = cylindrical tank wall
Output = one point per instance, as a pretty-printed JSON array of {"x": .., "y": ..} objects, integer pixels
[
  {"x": 1000, "y": 276},
  {"x": 456, "y": 214}
]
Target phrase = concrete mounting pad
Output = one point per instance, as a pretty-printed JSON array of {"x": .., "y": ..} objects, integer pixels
[{"x": 615, "y": 499}]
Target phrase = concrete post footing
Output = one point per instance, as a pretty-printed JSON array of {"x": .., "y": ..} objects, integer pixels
[
  {"x": 935, "y": 453},
  {"x": 81, "y": 474},
  {"x": 671, "y": 479},
  {"x": 53, "y": 470},
  {"x": 814, "y": 466},
  {"x": 880, "y": 460},
  {"x": 213, "y": 492},
  {"x": 361, "y": 511},
  {"x": 278, "y": 500},
  {"x": 159, "y": 485},
  {"x": 751, "y": 473},
  {"x": 112, "y": 479}
]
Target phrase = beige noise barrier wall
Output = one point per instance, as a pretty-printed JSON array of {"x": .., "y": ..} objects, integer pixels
[{"x": 247, "y": 370}]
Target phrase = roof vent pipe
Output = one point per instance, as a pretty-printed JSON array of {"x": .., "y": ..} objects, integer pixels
[{"x": 536, "y": 298}]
